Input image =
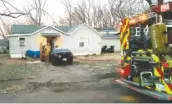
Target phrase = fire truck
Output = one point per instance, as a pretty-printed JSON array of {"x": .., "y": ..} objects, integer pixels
[{"x": 146, "y": 51}]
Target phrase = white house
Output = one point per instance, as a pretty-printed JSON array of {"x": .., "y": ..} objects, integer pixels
[
  {"x": 81, "y": 40},
  {"x": 110, "y": 37}
]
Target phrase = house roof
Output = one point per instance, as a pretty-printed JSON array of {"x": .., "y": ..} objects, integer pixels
[
  {"x": 32, "y": 29},
  {"x": 28, "y": 29},
  {"x": 108, "y": 32},
  {"x": 25, "y": 29},
  {"x": 67, "y": 29},
  {"x": 111, "y": 35}
]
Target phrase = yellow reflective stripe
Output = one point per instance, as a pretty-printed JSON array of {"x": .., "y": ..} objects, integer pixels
[
  {"x": 156, "y": 73},
  {"x": 167, "y": 89},
  {"x": 122, "y": 57},
  {"x": 123, "y": 33},
  {"x": 127, "y": 47},
  {"x": 126, "y": 25},
  {"x": 126, "y": 38},
  {"x": 150, "y": 50},
  {"x": 156, "y": 58},
  {"x": 129, "y": 58},
  {"x": 140, "y": 50},
  {"x": 121, "y": 36},
  {"x": 148, "y": 87}
]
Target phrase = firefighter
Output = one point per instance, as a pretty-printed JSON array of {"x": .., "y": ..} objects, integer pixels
[
  {"x": 43, "y": 53},
  {"x": 47, "y": 52},
  {"x": 56, "y": 46},
  {"x": 41, "y": 49}
]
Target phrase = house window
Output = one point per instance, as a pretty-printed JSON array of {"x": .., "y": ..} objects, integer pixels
[
  {"x": 81, "y": 44},
  {"x": 22, "y": 41},
  {"x": 84, "y": 42}
]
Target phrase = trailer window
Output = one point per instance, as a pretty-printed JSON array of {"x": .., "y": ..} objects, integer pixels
[
  {"x": 83, "y": 42},
  {"x": 22, "y": 41}
]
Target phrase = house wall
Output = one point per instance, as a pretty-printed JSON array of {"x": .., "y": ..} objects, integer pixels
[
  {"x": 72, "y": 42},
  {"x": 15, "y": 50},
  {"x": 59, "y": 41},
  {"x": 32, "y": 43},
  {"x": 37, "y": 39},
  {"x": 111, "y": 42}
]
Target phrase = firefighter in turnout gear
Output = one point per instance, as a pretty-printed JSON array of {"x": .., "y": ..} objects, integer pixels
[
  {"x": 42, "y": 52},
  {"x": 47, "y": 52}
]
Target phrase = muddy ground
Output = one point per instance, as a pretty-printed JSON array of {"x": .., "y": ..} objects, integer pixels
[
  {"x": 89, "y": 80},
  {"x": 31, "y": 75}
]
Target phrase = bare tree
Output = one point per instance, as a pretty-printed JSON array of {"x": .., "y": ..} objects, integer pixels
[
  {"x": 106, "y": 18},
  {"x": 80, "y": 10},
  {"x": 80, "y": 13},
  {"x": 96, "y": 14},
  {"x": 84, "y": 11},
  {"x": 11, "y": 10},
  {"x": 69, "y": 9},
  {"x": 88, "y": 8},
  {"x": 102, "y": 16},
  {"x": 37, "y": 11},
  {"x": 63, "y": 22},
  {"x": 124, "y": 8},
  {"x": 5, "y": 28}
]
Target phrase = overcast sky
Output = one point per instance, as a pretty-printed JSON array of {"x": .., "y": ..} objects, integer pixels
[{"x": 53, "y": 7}]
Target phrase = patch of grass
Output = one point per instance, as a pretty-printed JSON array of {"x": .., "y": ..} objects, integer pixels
[
  {"x": 87, "y": 55},
  {"x": 108, "y": 75},
  {"x": 14, "y": 71},
  {"x": 12, "y": 76},
  {"x": 4, "y": 55},
  {"x": 56, "y": 90},
  {"x": 78, "y": 63},
  {"x": 14, "y": 88}
]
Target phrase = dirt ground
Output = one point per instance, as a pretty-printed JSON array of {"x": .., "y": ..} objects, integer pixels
[
  {"x": 91, "y": 79},
  {"x": 104, "y": 57},
  {"x": 32, "y": 75}
]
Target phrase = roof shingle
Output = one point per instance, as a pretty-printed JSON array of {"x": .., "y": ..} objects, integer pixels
[
  {"x": 28, "y": 29},
  {"x": 25, "y": 29},
  {"x": 67, "y": 29}
]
